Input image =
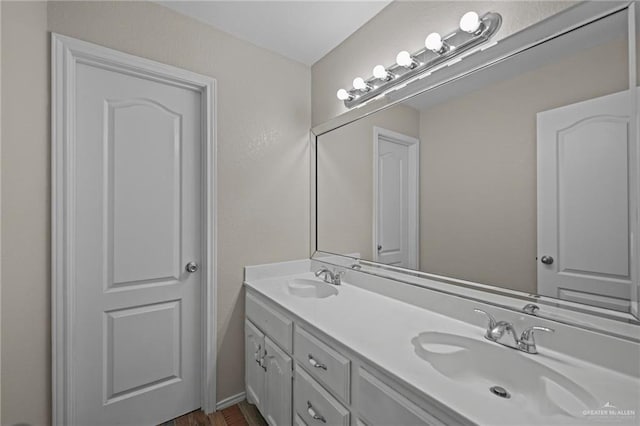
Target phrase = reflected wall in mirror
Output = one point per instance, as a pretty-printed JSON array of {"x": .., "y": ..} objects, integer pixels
[{"x": 520, "y": 175}]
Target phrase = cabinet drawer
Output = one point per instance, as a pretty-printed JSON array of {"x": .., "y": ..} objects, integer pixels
[
  {"x": 322, "y": 362},
  {"x": 277, "y": 326},
  {"x": 311, "y": 399},
  {"x": 381, "y": 405}
]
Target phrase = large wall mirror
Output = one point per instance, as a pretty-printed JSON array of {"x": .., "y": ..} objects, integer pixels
[{"x": 521, "y": 175}]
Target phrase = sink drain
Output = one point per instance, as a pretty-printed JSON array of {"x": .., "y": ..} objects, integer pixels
[{"x": 500, "y": 391}]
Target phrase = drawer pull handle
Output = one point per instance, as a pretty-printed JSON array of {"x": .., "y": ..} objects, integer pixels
[
  {"x": 257, "y": 354},
  {"x": 313, "y": 414},
  {"x": 263, "y": 364},
  {"x": 315, "y": 363},
  {"x": 260, "y": 360}
]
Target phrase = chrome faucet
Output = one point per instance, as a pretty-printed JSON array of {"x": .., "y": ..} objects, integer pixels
[
  {"x": 530, "y": 309},
  {"x": 330, "y": 277},
  {"x": 504, "y": 333},
  {"x": 527, "y": 343}
]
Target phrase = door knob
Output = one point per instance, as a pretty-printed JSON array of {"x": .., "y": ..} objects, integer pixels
[
  {"x": 379, "y": 248},
  {"x": 547, "y": 260},
  {"x": 191, "y": 267}
]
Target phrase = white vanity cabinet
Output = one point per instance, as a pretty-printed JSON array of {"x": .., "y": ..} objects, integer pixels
[
  {"x": 296, "y": 377},
  {"x": 268, "y": 368},
  {"x": 314, "y": 405},
  {"x": 254, "y": 370},
  {"x": 380, "y": 404},
  {"x": 277, "y": 386},
  {"x": 324, "y": 364},
  {"x": 268, "y": 377}
]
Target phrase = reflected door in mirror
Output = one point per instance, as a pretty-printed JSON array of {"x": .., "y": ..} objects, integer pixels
[
  {"x": 396, "y": 187},
  {"x": 584, "y": 202}
]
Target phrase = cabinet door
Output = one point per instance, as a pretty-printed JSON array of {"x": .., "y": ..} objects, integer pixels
[
  {"x": 277, "y": 397},
  {"x": 254, "y": 372}
]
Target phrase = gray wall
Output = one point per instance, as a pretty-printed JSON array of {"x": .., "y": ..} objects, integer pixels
[
  {"x": 263, "y": 171},
  {"x": 25, "y": 334}
]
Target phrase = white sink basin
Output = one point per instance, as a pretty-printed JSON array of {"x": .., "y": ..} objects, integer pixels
[
  {"x": 480, "y": 364},
  {"x": 317, "y": 289}
]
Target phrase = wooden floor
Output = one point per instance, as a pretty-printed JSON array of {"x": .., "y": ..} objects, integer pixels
[{"x": 242, "y": 414}]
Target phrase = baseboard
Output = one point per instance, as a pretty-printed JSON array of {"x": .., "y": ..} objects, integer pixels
[{"x": 232, "y": 400}]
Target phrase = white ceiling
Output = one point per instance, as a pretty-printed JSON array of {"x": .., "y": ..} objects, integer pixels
[{"x": 301, "y": 30}]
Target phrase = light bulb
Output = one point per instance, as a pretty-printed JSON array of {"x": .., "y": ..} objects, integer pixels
[
  {"x": 360, "y": 84},
  {"x": 343, "y": 95},
  {"x": 404, "y": 59},
  {"x": 380, "y": 72},
  {"x": 434, "y": 42},
  {"x": 470, "y": 22}
]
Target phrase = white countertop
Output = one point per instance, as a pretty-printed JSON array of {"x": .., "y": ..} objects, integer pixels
[{"x": 380, "y": 330}]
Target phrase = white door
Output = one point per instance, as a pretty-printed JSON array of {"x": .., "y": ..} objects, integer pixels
[
  {"x": 585, "y": 211},
  {"x": 254, "y": 365},
  {"x": 395, "y": 186},
  {"x": 277, "y": 396},
  {"x": 136, "y": 345}
]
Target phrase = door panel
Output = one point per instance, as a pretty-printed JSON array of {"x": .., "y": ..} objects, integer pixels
[
  {"x": 277, "y": 385},
  {"x": 134, "y": 222},
  {"x": 137, "y": 213},
  {"x": 135, "y": 364},
  {"x": 593, "y": 197},
  {"x": 585, "y": 211},
  {"x": 254, "y": 372}
]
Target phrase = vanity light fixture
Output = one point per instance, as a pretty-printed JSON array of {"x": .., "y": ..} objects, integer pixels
[
  {"x": 381, "y": 73},
  {"x": 434, "y": 43},
  {"x": 474, "y": 30},
  {"x": 404, "y": 59},
  {"x": 471, "y": 23},
  {"x": 343, "y": 95},
  {"x": 360, "y": 84}
]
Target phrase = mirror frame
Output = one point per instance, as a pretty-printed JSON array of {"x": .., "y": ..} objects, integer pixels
[{"x": 541, "y": 32}]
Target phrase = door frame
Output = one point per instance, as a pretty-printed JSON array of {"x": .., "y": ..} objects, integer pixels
[
  {"x": 66, "y": 52},
  {"x": 413, "y": 192}
]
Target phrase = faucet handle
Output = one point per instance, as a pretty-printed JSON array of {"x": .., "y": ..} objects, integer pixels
[
  {"x": 527, "y": 335},
  {"x": 492, "y": 320},
  {"x": 530, "y": 309},
  {"x": 328, "y": 275},
  {"x": 527, "y": 343}
]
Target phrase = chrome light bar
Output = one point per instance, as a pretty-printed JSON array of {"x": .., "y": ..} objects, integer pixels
[{"x": 409, "y": 66}]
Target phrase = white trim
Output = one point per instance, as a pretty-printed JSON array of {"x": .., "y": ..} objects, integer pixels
[
  {"x": 634, "y": 158},
  {"x": 313, "y": 182},
  {"x": 232, "y": 400},
  {"x": 413, "y": 145},
  {"x": 65, "y": 53},
  {"x": 1, "y": 257}
]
